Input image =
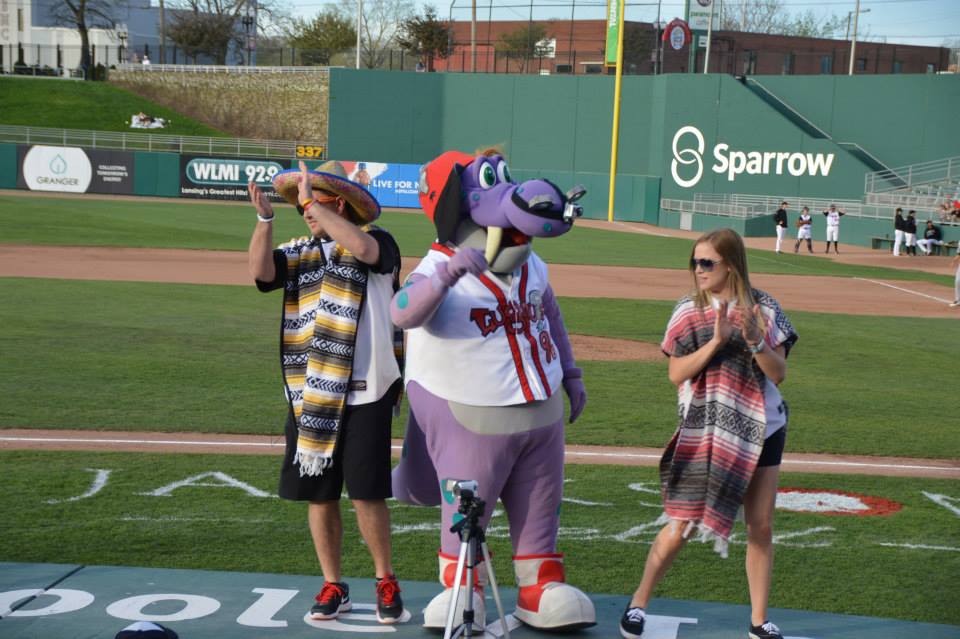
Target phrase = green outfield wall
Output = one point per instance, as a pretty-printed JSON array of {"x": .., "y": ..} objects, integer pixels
[
  {"x": 8, "y": 166},
  {"x": 901, "y": 119},
  {"x": 156, "y": 174},
  {"x": 697, "y": 134},
  {"x": 680, "y": 134}
]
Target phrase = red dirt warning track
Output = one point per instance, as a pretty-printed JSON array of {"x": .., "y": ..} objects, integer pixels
[
  {"x": 186, "y": 442},
  {"x": 795, "y": 292}
]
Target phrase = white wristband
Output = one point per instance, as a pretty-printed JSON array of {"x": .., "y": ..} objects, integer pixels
[{"x": 268, "y": 220}]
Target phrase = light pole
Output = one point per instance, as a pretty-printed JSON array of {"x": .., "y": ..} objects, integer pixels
[
  {"x": 473, "y": 37},
  {"x": 248, "y": 21},
  {"x": 657, "y": 70},
  {"x": 849, "y": 16},
  {"x": 853, "y": 43},
  {"x": 122, "y": 33},
  {"x": 359, "y": 14},
  {"x": 706, "y": 57}
]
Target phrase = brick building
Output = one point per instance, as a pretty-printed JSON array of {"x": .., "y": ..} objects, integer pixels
[{"x": 577, "y": 48}]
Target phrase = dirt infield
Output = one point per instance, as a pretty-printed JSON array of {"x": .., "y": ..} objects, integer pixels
[
  {"x": 795, "y": 292},
  {"x": 139, "y": 442}
]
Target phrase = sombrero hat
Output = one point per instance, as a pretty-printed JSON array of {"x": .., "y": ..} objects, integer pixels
[{"x": 331, "y": 177}]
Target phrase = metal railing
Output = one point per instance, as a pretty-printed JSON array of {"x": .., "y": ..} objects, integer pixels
[
  {"x": 218, "y": 68},
  {"x": 857, "y": 150},
  {"x": 803, "y": 122},
  {"x": 945, "y": 170},
  {"x": 229, "y": 147},
  {"x": 813, "y": 127},
  {"x": 768, "y": 204},
  {"x": 723, "y": 209},
  {"x": 918, "y": 202}
]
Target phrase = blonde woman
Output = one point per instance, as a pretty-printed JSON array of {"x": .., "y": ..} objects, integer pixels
[{"x": 728, "y": 346}]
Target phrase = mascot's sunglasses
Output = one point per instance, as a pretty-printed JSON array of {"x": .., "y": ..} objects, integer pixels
[{"x": 706, "y": 265}]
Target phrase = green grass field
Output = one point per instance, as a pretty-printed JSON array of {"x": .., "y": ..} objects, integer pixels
[
  {"x": 199, "y": 225},
  {"x": 98, "y": 106},
  {"x": 827, "y": 563},
  {"x": 114, "y": 354}
]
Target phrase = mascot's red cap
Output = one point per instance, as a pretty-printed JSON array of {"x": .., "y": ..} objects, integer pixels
[{"x": 436, "y": 188}]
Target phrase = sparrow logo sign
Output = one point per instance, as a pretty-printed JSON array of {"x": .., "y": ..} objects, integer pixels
[
  {"x": 689, "y": 145},
  {"x": 687, "y": 156}
]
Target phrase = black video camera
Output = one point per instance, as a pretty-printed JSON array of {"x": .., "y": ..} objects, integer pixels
[{"x": 573, "y": 210}]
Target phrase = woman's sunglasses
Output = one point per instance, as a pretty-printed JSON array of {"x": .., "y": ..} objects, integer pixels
[{"x": 705, "y": 264}]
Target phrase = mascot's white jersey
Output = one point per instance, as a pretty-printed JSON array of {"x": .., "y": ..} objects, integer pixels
[{"x": 488, "y": 344}]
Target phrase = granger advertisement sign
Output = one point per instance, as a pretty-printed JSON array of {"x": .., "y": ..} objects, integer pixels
[
  {"x": 61, "y": 169},
  {"x": 66, "y": 169}
]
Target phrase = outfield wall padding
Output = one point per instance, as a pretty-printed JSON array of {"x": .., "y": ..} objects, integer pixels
[
  {"x": 556, "y": 125},
  {"x": 8, "y": 166},
  {"x": 901, "y": 119},
  {"x": 157, "y": 174}
]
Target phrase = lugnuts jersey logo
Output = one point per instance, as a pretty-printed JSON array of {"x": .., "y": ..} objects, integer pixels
[{"x": 515, "y": 319}]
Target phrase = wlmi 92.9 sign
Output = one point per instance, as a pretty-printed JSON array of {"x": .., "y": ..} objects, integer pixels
[{"x": 225, "y": 179}]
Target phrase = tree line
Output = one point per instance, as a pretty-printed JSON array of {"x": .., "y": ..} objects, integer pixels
[{"x": 210, "y": 28}]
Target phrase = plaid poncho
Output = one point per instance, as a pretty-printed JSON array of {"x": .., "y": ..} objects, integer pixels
[
  {"x": 321, "y": 311},
  {"x": 708, "y": 464}
]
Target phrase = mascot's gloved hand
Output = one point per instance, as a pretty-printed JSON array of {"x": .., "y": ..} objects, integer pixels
[
  {"x": 466, "y": 260},
  {"x": 576, "y": 391}
]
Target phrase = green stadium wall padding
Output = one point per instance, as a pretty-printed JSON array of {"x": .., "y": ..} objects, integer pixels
[
  {"x": 638, "y": 195},
  {"x": 558, "y": 125},
  {"x": 901, "y": 119},
  {"x": 8, "y": 166},
  {"x": 157, "y": 174}
]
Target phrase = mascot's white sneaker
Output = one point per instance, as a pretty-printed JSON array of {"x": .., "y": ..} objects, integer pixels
[
  {"x": 435, "y": 614},
  {"x": 545, "y": 601}
]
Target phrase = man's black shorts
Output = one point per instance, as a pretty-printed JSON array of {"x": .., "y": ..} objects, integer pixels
[{"x": 361, "y": 458}]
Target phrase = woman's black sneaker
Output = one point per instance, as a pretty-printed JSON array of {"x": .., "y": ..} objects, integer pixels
[
  {"x": 631, "y": 623},
  {"x": 766, "y": 630}
]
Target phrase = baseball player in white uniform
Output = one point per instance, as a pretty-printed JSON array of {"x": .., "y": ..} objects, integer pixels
[
  {"x": 833, "y": 227},
  {"x": 804, "y": 223}
]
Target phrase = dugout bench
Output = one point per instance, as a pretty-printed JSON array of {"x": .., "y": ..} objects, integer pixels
[{"x": 947, "y": 248}]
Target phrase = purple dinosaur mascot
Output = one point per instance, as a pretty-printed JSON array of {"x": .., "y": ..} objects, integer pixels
[{"x": 487, "y": 355}]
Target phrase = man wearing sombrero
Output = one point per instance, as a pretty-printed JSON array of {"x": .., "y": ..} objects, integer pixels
[{"x": 341, "y": 359}]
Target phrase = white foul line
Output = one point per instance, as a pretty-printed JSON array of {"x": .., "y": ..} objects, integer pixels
[
  {"x": 905, "y": 290},
  {"x": 168, "y": 442},
  {"x": 579, "y": 453},
  {"x": 569, "y": 453},
  {"x": 810, "y": 462}
]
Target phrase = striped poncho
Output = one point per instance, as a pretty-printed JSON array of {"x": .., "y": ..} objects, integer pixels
[
  {"x": 708, "y": 464},
  {"x": 323, "y": 300}
]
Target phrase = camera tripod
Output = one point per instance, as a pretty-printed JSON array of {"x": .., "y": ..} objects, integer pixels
[{"x": 472, "y": 539}]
